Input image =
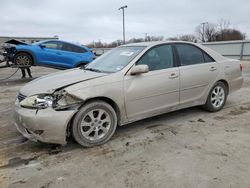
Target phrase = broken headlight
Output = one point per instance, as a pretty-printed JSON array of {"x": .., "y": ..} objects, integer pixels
[
  {"x": 38, "y": 101},
  {"x": 59, "y": 100},
  {"x": 65, "y": 100}
]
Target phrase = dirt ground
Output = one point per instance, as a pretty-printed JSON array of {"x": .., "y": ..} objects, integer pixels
[{"x": 187, "y": 148}]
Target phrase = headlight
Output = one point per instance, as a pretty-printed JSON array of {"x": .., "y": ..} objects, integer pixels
[
  {"x": 38, "y": 101},
  {"x": 59, "y": 100}
]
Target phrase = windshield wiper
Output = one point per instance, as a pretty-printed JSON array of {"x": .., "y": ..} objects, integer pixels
[{"x": 94, "y": 70}]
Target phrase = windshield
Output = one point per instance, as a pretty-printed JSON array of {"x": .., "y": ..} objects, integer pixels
[
  {"x": 37, "y": 43},
  {"x": 115, "y": 60}
]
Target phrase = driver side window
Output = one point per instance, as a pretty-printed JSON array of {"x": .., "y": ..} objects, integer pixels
[
  {"x": 157, "y": 58},
  {"x": 53, "y": 45}
]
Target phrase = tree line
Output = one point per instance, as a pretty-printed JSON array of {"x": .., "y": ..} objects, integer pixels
[{"x": 204, "y": 32}]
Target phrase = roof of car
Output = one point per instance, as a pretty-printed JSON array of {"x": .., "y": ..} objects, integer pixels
[
  {"x": 74, "y": 43},
  {"x": 148, "y": 44},
  {"x": 211, "y": 52}
]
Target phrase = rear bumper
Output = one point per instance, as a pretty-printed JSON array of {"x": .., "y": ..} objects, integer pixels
[{"x": 46, "y": 125}]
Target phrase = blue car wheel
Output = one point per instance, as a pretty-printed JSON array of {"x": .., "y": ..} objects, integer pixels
[{"x": 23, "y": 60}]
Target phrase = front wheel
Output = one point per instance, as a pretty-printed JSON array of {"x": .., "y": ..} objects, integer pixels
[
  {"x": 217, "y": 97},
  {"x": 94, "y": 124},
  {"x": 23, "y": 60}
]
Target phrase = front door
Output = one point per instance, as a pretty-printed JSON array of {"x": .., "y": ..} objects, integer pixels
[
  {"x": 153, "y": 92},
  {"x": 50, "y": 54}
]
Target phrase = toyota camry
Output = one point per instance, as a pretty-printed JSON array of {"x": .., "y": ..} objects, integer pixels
[{"x": 126, "y": 84}]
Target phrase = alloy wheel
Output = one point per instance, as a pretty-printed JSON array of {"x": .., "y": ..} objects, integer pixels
[
  {"x": 218, "y": 97},
  {"x": 95, "y": 124},
  {"x": 23, "y": 60}
]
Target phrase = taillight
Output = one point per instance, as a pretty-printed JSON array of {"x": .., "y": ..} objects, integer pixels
[{"x": 241, "y": 67}]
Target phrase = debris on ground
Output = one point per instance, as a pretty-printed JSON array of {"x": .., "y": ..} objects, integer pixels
[
  {"x": 201, "y": 120},
  {"x": 17, "y": 161},
  {"x": 55, "y": 150}
]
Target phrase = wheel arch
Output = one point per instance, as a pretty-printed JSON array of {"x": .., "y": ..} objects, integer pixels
[
  {"x": 110, "y": 102},
  {"x": 225, "y": 83},
  {"x": 105, "y": 99}
]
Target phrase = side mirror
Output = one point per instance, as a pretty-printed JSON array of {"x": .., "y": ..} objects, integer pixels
[
  {"x": 42, "y": 45},
  {"x": 139, "y": 69}
]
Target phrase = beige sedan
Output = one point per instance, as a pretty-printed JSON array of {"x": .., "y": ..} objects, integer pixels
[{"x": 128, "y": 83}]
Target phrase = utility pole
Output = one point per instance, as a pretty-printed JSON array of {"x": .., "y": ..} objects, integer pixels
[
  {"x": 123, "y": 21},
  {"x": 146, "y": 37},
  {"x": 203, "y": 31}
]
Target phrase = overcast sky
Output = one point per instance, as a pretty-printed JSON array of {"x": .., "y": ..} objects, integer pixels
[{"x": 90, "y": 20}]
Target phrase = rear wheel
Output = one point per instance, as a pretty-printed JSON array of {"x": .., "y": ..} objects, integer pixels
[
  {"x": 23, "y": 60},
  {"x": 82, "y": 65},
  {"x": 217, "y": 97},
  {"x": 94, "y": 124}
]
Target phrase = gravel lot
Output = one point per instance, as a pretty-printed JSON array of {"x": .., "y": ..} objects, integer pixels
[{"x": 187, "y": 148}]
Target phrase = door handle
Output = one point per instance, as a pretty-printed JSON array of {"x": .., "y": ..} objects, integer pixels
[
  {"x": 213, "y": 68},
  {"x": 173, "y": 76}
]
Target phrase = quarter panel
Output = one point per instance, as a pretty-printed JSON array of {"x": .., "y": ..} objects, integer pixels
[{"x": 233, "y": 74}]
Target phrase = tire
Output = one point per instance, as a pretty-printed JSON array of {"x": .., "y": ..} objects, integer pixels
[
  {"x": 217, "y": 97},
  {"x": 23, "y": 60},
  {"x": 82, "y": 65},
  {"x": 94, "y": 124}
]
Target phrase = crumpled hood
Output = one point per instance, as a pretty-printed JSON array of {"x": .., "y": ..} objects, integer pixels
[
  {"x": 51, "y": 82},
  {"x": 16, "y": 42}
]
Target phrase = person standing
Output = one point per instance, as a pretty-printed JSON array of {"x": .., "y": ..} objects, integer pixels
[{"x": 28, "y": 71}]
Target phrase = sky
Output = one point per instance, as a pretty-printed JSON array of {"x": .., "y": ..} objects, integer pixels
[{"x": 86, "y": 21}]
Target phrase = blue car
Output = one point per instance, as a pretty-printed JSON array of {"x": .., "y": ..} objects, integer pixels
[{"x": 52, "y": 53}]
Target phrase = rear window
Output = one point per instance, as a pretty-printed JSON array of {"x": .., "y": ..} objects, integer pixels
[
  {"x": 73, "y": 48},
  {"x": 191, "y": 55},
  {"x": 207, "y": 58}
]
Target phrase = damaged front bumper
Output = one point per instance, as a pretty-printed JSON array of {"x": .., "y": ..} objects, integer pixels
[
  {"x": 9, "y": 52},
  {"x": 45, "y": 125}
]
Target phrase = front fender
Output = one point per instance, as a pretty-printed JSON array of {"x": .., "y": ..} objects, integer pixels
[{"x": 109, "y": 87}]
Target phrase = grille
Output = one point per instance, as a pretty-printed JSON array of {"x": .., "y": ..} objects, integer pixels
[{"x": 20, "y": 97}]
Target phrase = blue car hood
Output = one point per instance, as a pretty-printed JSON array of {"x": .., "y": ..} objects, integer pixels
[
  {"x": 52, "y": 82},
  {"x": 15, "y": 42}
]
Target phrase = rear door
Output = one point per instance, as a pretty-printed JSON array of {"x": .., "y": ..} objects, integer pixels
[
  {"x": 156, "y": 91},
  {"x": 197, "y": 72},
  {"x": 74, "y": 55}
]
